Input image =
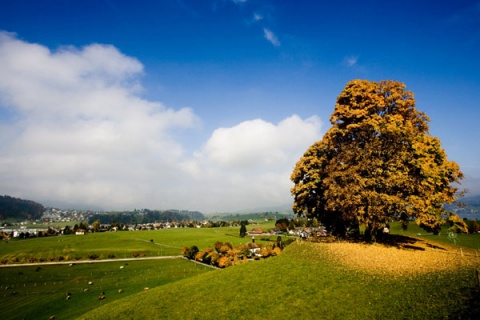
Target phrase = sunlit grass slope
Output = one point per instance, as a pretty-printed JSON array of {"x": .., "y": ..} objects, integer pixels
[
  {"x": 306, "y": 282},
  {"x": 122, "y": 244},
  {"x": 38, "y": 292}
]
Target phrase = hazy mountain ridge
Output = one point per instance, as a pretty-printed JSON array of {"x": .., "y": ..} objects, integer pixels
[{"x": 14, "y": 208}]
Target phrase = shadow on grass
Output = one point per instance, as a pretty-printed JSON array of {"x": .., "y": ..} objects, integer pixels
[
  {"x": 406, "y": 242},
  {"x": 391, "y": 240},
  {"x": 472, "y": 310}
]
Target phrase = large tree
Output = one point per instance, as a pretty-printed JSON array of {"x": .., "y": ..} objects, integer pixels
[{"x": 376, "y": 164}]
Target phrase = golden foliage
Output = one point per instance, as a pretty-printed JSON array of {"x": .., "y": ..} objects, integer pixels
[
  {"x": 276, "y": 251},
  {"x": 377, "y": 163},
  {"x": 224, "y": 262}
]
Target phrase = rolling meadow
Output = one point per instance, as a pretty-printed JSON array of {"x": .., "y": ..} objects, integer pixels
[{"x": 426, "y": 277}]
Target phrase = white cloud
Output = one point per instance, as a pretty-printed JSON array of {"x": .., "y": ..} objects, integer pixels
[
  {"x": 81, "y": 130},
  {"x": 351, "y": 61},
  {"x": 271, "y": 37},
  {"x": 257, "y": 17},
  {"x": 250, "y": 164},
  {"x": 82, "y": 133}
]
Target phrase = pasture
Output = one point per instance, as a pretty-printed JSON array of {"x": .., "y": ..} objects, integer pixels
[
  {"x": 122, "y": 244},
  {"x": 307, "y": 280},
  {"x": 38, "y": 292},
  {"x": 315, "y": 281}
]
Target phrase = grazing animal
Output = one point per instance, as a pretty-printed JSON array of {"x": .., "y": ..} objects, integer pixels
[
  {"x": 51, "y": 318},
  {"x": 120, "y": 291},
  {"x": 85, "y": 290},
  {"x": 121, "y": 267},
  {"x": 101, "y": 297},
  {"x": 90, "y": 282},
  {"x": 146, "y": 289}
]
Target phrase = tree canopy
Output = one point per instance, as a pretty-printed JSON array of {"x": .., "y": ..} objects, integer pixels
[{"x": 377, "y": 163}]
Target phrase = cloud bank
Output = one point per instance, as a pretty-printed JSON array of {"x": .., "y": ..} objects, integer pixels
[{"x": 74, "y": 128}]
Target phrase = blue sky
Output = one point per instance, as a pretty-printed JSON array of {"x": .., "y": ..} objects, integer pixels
[{"x": 207, "y": 105}]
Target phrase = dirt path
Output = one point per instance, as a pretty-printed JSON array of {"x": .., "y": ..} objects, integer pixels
[{"x": 88, "y": 261}]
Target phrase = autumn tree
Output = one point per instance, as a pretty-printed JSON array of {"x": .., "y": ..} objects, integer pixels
[
  {"x": 376, "y": 164},
  {"x": 96, "y": 226},
  {"x": 282, "y": 224}
]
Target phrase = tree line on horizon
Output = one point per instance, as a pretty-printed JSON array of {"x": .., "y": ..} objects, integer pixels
[{"x": 15, "y": 208}]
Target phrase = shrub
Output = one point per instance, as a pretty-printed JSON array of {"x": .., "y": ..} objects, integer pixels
[
  {"x": 224, "y": 262},
  {"x": 190, "y": 252},
  {"x": 277, "y": 250},
  {"x": 212, "y": 257},
  {"x": 93, "y": 256},
  {"x": 218, "y": 245},
  {"x": 224, "y": 249},
  {"x": 199, "y": 256},
  {"x": 135, "y": 254},
  {"x": 265, "y": 252}
]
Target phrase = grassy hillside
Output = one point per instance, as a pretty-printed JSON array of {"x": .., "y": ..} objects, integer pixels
[
  {"x": 310, "y": 281},
  {"x": 307, "y": 280},
  {"x": 38, "y": 292}
]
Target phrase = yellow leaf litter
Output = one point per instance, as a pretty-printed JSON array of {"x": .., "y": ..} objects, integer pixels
[{"x": 415, "y": 257}]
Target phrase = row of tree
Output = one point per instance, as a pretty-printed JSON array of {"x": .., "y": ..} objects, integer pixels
[
  {"x": 224, "y": 255},
  {"x": 285, "y": 224}
]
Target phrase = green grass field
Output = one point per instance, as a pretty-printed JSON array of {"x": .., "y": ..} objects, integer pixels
[
  {"x": 38, "y": 293},
  {"x": 124, "y": 244},
  {"x": 300, "y": 285},
  {"x": 302, "y": 282}
]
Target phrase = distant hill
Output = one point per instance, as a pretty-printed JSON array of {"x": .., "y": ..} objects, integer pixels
[
  {"x": 14, "y": 208},
  {"x": 270, "y": 213},
  {"x": 65, "y": 205},
  {"x": 250, "y": 216},
  {"x": 145, "y": 216},
  {"x": 284, "y": 209},
  {"x": 473, "y": 202}
]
